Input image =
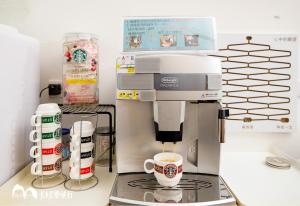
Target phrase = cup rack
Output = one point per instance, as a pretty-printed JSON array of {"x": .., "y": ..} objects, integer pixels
[
  {"x": 42, "y": 181},
  {"x": 83, "y": 184},
  {"x": 48, "y": 181},
  {"x": 98, "y": 109}
]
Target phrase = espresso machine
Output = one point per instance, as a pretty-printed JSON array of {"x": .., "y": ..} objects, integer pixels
[{"x": 169, "y": 102}]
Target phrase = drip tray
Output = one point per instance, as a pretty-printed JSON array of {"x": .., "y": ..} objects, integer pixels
[{"x": 193, "y": 189}]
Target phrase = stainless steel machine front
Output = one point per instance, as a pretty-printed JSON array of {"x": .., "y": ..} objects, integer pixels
[
  {"x": 200, "y": 145},
  {"x": 169, "y": 102}
]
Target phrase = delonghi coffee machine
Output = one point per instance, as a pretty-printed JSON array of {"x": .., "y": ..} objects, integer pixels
[{"x": 170, "y": 102}]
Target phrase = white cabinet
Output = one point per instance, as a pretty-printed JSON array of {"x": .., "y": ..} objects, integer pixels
[{"x": 19, "y": 90}]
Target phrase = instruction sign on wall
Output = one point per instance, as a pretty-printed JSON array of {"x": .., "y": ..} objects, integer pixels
[{"x": 169, "y": 34}]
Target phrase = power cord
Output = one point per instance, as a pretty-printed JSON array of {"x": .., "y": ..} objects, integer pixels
[
  {"x": 53, "y": 90},
  {"x": 43, "y": 90}
]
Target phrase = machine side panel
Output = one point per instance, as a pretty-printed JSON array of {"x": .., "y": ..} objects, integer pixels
[{"x": 209, "y": 144}]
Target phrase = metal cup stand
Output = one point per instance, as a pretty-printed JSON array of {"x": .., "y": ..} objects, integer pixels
[
  {"x": 47, "y": 181},
  {"x": 81, "y": 185}
]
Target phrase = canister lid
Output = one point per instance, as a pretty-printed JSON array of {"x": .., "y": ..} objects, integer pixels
[{"x": 77, "y": 35}]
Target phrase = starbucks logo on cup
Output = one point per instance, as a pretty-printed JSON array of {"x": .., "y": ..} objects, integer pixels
[
  {"x": 57, "y": 165},
  {"x": 170, "y": 170},
  {"x": 57, "y": 133},
  {"x": 57, "y": 118},
  {"x": 58, "y": 149}
]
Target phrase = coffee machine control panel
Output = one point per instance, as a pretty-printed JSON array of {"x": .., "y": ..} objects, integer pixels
[{"x": 168, "y": 78}]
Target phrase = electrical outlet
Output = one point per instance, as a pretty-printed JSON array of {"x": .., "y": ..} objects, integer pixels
[{"x": 54, "y": 87}]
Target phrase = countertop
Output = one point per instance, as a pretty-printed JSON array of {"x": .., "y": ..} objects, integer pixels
[
  {"x": 256, "y": 184},
  {"x": 245, "y": 173}
]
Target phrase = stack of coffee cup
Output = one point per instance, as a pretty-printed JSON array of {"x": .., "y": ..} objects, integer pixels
[
  {"x": 46, "y": 137},
  {"x": 82, "y": 150}
]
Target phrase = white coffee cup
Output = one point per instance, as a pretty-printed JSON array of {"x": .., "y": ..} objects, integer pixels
[
  {"x": 86, "y": 127},
  {"x": 86, "y": 152},
  {"x": 48, "y": 148},
  {"x": 167, "y": 168},
  {"x": 164, "y": 196},
  {"x": 51, "y": 165},
  {"x": 86, "y": 141},
  {"x": 79, "y": 159},
  {"x": 47, "y": 133},
  {"x": 81, "y": 144},
  {"x": 47, "y": 115},
  {"x": 82, "y": 130},
  {"x": 76, "y": 163},
  {"x": 86, "y": 170},
  {"x": 83, "y": 141}
]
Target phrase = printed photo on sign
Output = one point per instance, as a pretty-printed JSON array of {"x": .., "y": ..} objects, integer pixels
[
  {"x": 135, "y": 41},
  {"x": 168, "y": 40},
  {"x": 191, "y": 40}
]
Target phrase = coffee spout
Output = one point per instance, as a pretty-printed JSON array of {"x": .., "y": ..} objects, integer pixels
[{"x": 168, "y": 120}]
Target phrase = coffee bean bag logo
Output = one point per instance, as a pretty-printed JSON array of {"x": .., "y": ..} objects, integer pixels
[
  {"x": 79, "y": 56},
  {"x": 170, "y": 170}
]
